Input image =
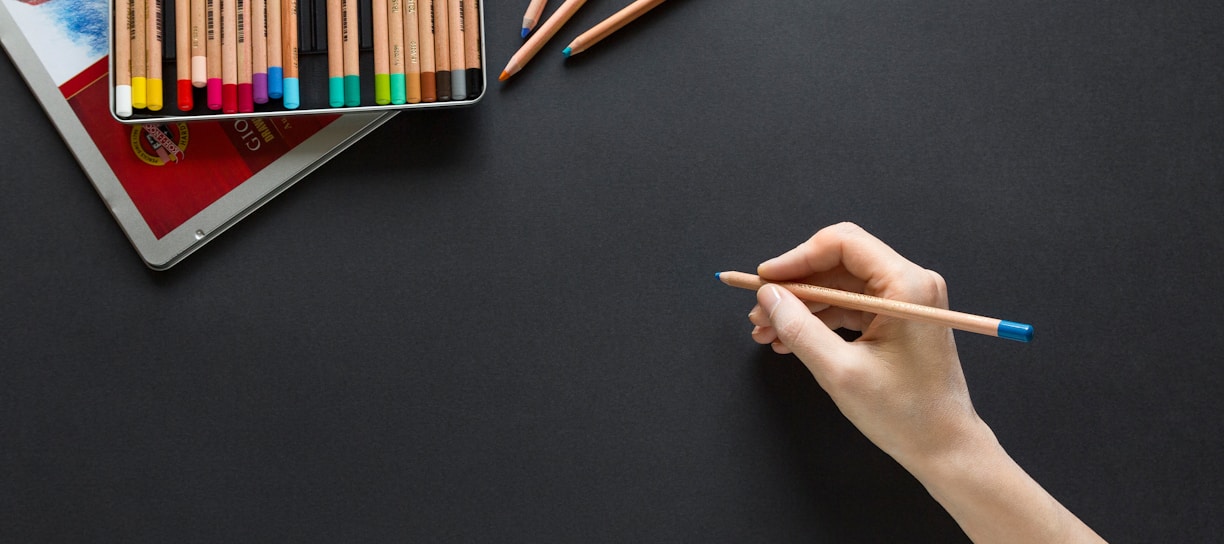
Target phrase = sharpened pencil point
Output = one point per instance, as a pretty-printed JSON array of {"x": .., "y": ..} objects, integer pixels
[
  {"x": 504, "y": 76},
  {"x": 566, "y": 52},
  {"x": 718, "y": 276},
  {"x": 526, "y": 31}
]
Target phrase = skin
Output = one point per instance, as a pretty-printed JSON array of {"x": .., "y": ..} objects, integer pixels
[{"x": 902, "y": 385}]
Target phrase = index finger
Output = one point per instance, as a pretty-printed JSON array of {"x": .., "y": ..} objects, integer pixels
[{"x": 847, "y": 245}]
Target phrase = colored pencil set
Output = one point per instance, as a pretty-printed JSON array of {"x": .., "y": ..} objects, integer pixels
[{"x": 242, "y": 53}]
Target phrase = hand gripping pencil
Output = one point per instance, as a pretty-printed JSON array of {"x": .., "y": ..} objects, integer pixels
[
  {"x": 609, "y": 25},
  {"x": 541, "y": 36},
  {"x": 893, "y": 308}
]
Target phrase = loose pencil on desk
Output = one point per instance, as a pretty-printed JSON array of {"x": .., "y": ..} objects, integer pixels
[
  {"x": 259, "y": 50},
  {"x": 471, "y": 45},
  {"x": 123, "y": 58},
  {"x": 535, "y": 10},
  {"x": 199, "y": 58},
  {"x": 441, "y": 18},
  {"x": 894, "y": 308},
  {"x": 609, "y": 25},
  {"x": 289, "y": 53},
  {"x": 153, "y": 57},
  {"x": 335, "y": 53},
  {"x": 276, "y": 71},
  {"x": 541, "y": 36},
  {"x": 458, "y": 69},
  {"x": 382, "y": 53},
  {"x": 182, "y": 47}
]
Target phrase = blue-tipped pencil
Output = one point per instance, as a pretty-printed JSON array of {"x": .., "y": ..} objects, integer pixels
[
  {"x": 531, "y": 18},
  {"x": 893, "y": 308}
]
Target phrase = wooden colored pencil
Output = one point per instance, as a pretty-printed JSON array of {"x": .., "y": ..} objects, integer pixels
[
  {"x": 335, "y": 53},
  {"x": 352, "y": 60},
  {"x": 441, "y": 48},
  {"x": 471, "y": 41},
  {"x": 609, "y": 25},
  {"x": 289, "y": 53},
  {"x": 382, "y": 52},
  {"x": 412, "y": 53},
  {"x": 540, "y": 37},
  {"x": 395, "y": 51},
  {"x": 199, "y": 58},
  {"x": 458, "y": 68},
  {"x": 123, "y": 58},
  {"x": 229, "y": 56},
  {"x": 425, "y": 41},
  {"x": 212, "y": 52},
  {"x": 894, "y": 308},
  {"x": 153, "y": 55},
  {"x": 535, "y": 11},
  {"x": 259, "y": 50},
  {"x": 276, "y": 71},
  {"x": 246, "y": 90},
  {"x": 182, "y": 58},
  {"x": 139, "y": 51}
]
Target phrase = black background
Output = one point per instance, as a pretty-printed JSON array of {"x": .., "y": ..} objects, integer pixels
[{"x": 501, "y": 323}]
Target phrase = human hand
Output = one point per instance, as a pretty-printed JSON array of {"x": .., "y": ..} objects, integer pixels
[{"x": 900, "y": 382}]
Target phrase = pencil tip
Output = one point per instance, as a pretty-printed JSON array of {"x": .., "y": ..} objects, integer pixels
[
  {"x": 566, "y": 52},
  {"x": 504, "y": 76},
  {"x": 526, "y": 31},
  {"x": 718, "y": 276}
]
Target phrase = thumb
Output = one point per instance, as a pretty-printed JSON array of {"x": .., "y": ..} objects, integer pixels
[{"x": 801, "y": 331}]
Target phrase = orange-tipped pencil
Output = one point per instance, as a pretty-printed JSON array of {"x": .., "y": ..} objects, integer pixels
[
  {"x": 412, "y": 59},
  {"x": 609, "y": 25},
  {"x": 540, "y": 37}
]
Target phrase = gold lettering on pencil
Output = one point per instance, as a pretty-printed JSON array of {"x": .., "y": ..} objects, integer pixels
[
  {"x": 412, "y": 52},
  {"x": 397, "y": 53},
  {"x": 411, "y": 6}
]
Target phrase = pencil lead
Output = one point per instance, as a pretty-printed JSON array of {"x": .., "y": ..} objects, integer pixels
[
  {"x": 718, "y": 276},
  {"x": 566, "y": 52},
  {"x": 504, "y": 76},
  {"x": 526, "y": 31}
]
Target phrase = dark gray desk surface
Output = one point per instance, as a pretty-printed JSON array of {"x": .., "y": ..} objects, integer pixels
[{"x": 500, "y": 324}]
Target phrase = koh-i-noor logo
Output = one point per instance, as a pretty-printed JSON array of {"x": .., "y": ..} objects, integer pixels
[{"x": 158, "y": 144}]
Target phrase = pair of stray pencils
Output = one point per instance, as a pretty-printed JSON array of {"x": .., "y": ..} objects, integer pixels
[
  {"x": 597, "y": 33},
  {"x": 857, "y": 301}
]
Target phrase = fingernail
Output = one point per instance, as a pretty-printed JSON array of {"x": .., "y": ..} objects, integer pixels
[{"x": 769, "y": 299}]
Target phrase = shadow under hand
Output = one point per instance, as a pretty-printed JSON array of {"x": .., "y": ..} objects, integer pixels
[{"x": 859, "y": 492}]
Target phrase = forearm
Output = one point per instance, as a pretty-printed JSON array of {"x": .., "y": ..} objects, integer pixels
[{"x": 993, "y": 498}]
